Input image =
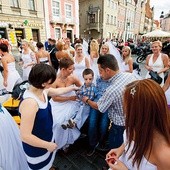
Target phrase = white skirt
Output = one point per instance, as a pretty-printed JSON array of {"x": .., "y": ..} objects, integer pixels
[{"x": 11, "y": 151}]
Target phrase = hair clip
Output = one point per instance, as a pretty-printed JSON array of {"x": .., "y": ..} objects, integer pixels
[{"x": 133, "y": 91}]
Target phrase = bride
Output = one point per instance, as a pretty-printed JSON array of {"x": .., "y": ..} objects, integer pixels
[{"x": 65, "y": 106}]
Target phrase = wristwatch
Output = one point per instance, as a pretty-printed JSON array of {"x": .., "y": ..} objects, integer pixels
[{"x": 87, "y": 100}]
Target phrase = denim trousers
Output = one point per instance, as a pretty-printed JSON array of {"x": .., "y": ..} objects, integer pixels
[
  {"x": 98, "y": 127},
  {"x": 116, "y": 136}
]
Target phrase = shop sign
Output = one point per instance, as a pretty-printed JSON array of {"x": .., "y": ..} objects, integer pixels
[{"x": 34, "y": 25}]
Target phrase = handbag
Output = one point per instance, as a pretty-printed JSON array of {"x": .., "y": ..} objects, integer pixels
[
  {"x": 155, "y": 76},
  {"x": 19, "y": 90}
]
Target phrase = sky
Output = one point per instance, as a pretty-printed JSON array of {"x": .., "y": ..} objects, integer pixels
[{"x": 159, "y": 6}]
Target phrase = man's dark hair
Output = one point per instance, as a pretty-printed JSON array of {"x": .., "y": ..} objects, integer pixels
[
  {"x": 88, "y": 71},
  {"x": 41, "y": 73},
  {"x": 108, "y": 61}
]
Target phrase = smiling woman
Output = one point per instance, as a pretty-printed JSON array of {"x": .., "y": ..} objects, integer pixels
[{"x": 157, "y": 61}]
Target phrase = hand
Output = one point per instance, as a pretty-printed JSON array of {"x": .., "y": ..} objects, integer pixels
[
  {"x": 73, "y": 98},
  {"x": 84, "y": 99},
  {"x": 76, "y": 88},
  {"x": 5, "y": 83},
  {"x": 149, "y": 68},
  {"x": 52, "y": 146},
  {"x": 25, "y": 66},
  {"x": 118, "y": 165},
  {"x": 114, "y": 153}
]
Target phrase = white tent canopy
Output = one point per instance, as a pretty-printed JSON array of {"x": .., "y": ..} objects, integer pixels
[{"x": 157, "y": 34}]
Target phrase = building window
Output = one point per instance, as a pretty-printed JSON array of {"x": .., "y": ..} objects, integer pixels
[
  {"x": 108, "y": 3},
  {"x": 111, "y": 19},
  {"x": 115, "y": 21},
  {"x": 108, "y": 34},
  {"x": 68, "y": 10},
  {"x": 32, "y": 5},
  {"x": 107, "y": 21},
  {"x": 56, "y": 8},
  {"x": 14, "y": 3},
  {"x": 57, "y": 33},
  {"x": 92, "y": 18},
  {"x": 112, "y": 5}
]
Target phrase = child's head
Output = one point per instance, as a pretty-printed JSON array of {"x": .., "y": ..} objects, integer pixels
[{"x": 88, "y": 76}]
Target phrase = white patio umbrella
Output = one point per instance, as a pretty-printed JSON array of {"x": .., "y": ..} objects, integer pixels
[{"x": 157, "y": 34}]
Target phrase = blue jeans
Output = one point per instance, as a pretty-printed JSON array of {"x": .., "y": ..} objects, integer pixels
[
  {"x": 98, "y": 127},
  {"x": 116, "y": 136}
]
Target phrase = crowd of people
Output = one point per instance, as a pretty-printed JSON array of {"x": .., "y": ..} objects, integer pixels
[{"x": 70, "y": 86}]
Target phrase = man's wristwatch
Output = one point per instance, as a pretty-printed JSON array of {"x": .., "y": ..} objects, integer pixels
[{"x": 87, "y": 100}]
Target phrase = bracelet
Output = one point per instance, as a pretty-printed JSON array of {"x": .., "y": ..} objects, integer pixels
[{"x": 87, "y": 101}]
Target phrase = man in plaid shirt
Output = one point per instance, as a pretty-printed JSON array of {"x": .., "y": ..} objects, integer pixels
[{"x": 111, "y": 100}]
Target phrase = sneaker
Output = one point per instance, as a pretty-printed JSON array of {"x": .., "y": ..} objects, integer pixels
[
  {"x": 102, "y": 147},
  {"x": 91, "y": 151},
  {"x": 71, "y": 123}
]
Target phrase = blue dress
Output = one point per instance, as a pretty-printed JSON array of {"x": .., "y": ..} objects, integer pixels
[{"x": 40, "y": 158}]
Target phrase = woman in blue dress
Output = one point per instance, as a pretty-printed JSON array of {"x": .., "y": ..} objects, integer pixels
[{"x": 36, "y": 118}]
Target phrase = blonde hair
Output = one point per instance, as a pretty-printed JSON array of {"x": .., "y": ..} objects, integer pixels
[
  {"x": 30, "y": 45},
  {"x": 105, "y": 45},
  {"x": 126, "y": 59},
  {"x": 157, "y": 42},
  {"x": 94, "y": 46},
  {"x": 78, "y": 45}
]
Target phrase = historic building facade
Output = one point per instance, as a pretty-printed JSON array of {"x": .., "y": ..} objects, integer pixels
[
  {"x": 22, "y": 19},
  {"x": 98, "y": 19},
  {"x": 120, "y": 19},
  {"x": 165, "y": 22},
  {"x": 62, "y": 18}
]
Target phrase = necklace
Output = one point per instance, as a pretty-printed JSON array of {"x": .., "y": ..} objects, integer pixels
[{"x": 63, "y": 80}]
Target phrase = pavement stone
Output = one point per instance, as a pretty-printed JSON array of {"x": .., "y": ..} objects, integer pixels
[{"x": 76, "y": 158}]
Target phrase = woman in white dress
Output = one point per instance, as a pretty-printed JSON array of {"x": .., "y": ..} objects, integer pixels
[
  {"x": 10, "y": 74},
  {"x": 11, "y": 151},
  {"x": 147, "y": 141},
  {"x": 157, "y": 61},
  {"x": 80, "y": 62},
  {"x": 128, "y": 62},
  {"x": 42, "y": 56},
  {"x": 28, "y": 59},
  {"x": 65, "y": 106}
]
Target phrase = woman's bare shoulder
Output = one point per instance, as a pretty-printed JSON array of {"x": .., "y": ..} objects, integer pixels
[{"x": 162, "y": 156}]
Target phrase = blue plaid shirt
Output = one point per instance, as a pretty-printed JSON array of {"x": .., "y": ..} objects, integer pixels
[
  {"x": 90, "y": 92},
  {"x": 101, "y": 86},
  {"x": 112, "y": 99}
]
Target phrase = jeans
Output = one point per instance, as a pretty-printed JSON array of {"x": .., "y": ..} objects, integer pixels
[
  {"x": 98, "y": 127},
  {"x": 116, "y": 136}
]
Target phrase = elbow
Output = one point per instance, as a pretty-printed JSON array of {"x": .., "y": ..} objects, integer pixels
[{"x": 25, "y": 137}]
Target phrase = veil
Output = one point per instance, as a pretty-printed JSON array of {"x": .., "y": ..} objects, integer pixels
[
  {"x": 116, "y": 54},
  {"x": 85, "y": 48}
]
